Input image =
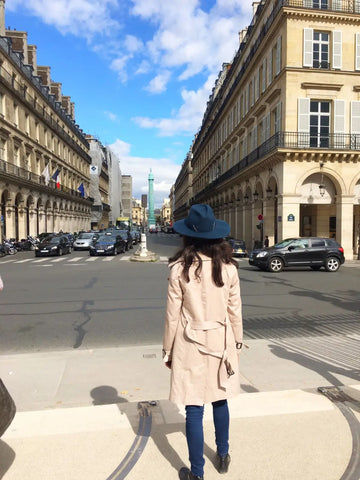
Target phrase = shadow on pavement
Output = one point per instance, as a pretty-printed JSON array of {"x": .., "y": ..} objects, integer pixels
[
  {"x": 160, "y": 431},
  {"x": 7, "y": 457},
  {"x": 326, "y": 369}
]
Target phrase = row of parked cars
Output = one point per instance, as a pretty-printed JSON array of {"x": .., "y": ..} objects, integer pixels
[{"x": 107, "y": 242}]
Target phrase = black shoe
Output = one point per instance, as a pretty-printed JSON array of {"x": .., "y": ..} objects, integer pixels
[
  {"x": 222, "y": 463},
  {"x": 185, "y": 474}
]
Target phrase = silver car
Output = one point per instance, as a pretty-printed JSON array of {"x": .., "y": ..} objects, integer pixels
[{"x": 84, "y": 240}]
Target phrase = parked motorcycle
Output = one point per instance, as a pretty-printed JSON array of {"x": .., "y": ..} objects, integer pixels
[{"x": 8, "y": 247}]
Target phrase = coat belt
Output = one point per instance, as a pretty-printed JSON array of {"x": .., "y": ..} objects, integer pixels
[{"x": 225, "y": 370}]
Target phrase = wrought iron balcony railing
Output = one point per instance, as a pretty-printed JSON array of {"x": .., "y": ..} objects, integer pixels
[
  {"x": 22, "y": 173},
  {"x": 290, "y": 141}
]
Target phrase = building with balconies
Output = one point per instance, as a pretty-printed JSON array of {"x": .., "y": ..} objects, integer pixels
[
  {"x": 44, "y": 155},
  {"x": 182, "y": 191},
  {"x": 278, "y": 150}
]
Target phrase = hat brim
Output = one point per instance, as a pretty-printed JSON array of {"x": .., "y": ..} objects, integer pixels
[{"x": 222, "y": 229}]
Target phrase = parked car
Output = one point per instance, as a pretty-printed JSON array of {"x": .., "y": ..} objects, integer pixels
[
  {"x": 84, "y": 240},
  {"x": 108, "y": 244},
  {"x": 55, "y": 245},
  {"x": 239, "y": 248},
  {"x": 153, "y": 229},
  {"x": 313, "y": 252},
  {"x": 71, "y": 238}
]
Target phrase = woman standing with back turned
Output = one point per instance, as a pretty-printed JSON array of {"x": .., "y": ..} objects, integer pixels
[{"x": 203, "y": 332}]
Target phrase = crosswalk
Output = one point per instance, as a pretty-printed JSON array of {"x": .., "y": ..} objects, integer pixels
[{"x": 70, "y": 260}]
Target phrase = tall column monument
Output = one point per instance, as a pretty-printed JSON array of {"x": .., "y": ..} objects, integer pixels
[{"x": 151, "y": 219}]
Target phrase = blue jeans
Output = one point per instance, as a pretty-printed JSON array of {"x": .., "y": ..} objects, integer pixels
[{"x": 195, "y": 433}]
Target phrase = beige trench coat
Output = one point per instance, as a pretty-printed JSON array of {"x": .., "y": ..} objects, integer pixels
[{"x": 202, "y": 327}]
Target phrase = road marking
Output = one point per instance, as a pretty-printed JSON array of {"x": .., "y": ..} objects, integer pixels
[
  {"x": 7, "y": 261},
  {"x": 61, "y": 259},
  {"x": 123, "y": 259},
  {"x": 164, "y": 259},
  {"x": 108, "y": 259},
  {"x": 75, "y": 259},
  {"x": 91, "y": 259},
  {"x": 41, "y": 260},
  {"x": 23, "y": 261}
]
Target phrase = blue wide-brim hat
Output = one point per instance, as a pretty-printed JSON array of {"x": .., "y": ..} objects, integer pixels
[{"x": 201, "y": 223}]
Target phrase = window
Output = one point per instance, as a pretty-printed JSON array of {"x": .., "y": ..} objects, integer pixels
[
  {"x": 16, "y": 114},
  {"x": 316, "y": 50},
  {"x": 321, "y": 50},
  {"x": 318, "y": 243},
  {"x": 319, "y": 123}
]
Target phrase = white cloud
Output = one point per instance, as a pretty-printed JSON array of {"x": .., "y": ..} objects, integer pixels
[
  {"x": 158, "y": 83},
  {"x": 112, "y": 116},
  {"x": 133, "y": 44},
  {"x": 187, "y": 119},
  {"x": 163, "y": 169},
  {"x": 83, "y": 18}
]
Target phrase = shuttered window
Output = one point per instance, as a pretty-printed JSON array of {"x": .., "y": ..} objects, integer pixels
[
  {"x": 303, "y": 121},
  {"x": 308, "y": 47},
  {"x": 337, "y": 50},
  {"x": 357, "y": 51},
  {"x": 270, "y": 68},
  {"x": 263, "y": 78},
  {"x": 278, "y": 57},
  {"x": 339, "y": 123}
]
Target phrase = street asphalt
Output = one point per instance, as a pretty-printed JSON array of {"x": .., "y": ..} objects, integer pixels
[{"x": 103, "y": 414}]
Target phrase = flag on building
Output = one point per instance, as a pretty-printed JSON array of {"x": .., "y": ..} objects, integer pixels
[
  {"x": 56, "y": 177},
  {"x": 46, "y": 174},
  {"x": 81, "y": 189}
]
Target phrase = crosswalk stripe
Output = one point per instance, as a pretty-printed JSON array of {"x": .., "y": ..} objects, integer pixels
[
  {"x": 41, "y": 260},
  {"x": 123, "y": 259},
  {"x": 108, "y": 259},
  {"x": 91, "y": 259},
  {"x": 163, "y": 259},
  {"x": 24, "y": 261},
  {"x": 61, "y": 259},
  {"x": 7, "y": 261},
  {"x": 75, "y": 259}
]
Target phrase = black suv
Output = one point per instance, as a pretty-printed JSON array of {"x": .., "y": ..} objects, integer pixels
[{"x": 313, "y": 252}]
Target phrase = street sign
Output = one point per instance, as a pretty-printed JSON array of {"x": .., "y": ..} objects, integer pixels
[{"x": 260, "y": 217}]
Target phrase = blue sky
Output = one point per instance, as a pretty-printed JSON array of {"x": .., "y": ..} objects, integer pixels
[{"x": 139, "y": 71}]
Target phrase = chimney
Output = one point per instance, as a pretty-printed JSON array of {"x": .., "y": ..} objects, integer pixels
[
  {"x": 32, "y": 57},
  {"x": 2, "y": 18},
  {"x": 255, "y": 6},
  {"x": 19, "y": 43},
  {"x": 242, "y": 35}
]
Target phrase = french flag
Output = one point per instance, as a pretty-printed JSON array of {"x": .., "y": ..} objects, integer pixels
[{"x": 56, "y": 177}]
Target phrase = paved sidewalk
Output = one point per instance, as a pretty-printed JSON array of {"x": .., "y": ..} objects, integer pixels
[{"x": 78, "y": 418}]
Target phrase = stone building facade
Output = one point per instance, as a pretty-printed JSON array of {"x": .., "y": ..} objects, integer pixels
[
  {"x": 126, "y": 195},
  {"x": 165, "y": 212},
  {"x": 99, "y": 184},
  {"x": 38, "y": 137},
  {"x": 278, "y": 150}
]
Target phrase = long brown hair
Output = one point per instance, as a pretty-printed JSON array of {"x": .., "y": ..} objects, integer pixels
[{"x": 219, "y": 250}]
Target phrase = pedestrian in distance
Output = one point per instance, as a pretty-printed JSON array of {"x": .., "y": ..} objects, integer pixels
[
  {"x": 266, "y": 241},
  {"x": 203, "y": 332}
]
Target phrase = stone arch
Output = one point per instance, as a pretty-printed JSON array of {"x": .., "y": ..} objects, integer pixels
[
  {"x": 325, "y": 172},
  {"x": 310, "y": 192}
]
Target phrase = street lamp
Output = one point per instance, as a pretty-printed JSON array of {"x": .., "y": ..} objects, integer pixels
[
  {"x": 256, "y": 196},
  {"x": 322, "y": 186},
  {"x": 268, "y": 193}
]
